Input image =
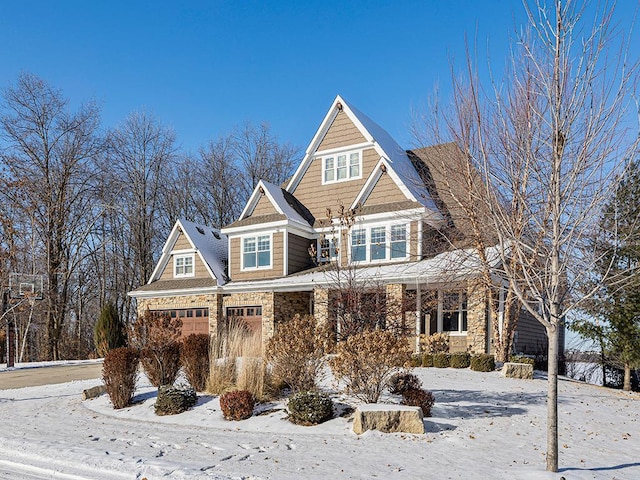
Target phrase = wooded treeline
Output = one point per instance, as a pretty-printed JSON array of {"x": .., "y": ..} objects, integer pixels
[{"x": 90, "y": 207}]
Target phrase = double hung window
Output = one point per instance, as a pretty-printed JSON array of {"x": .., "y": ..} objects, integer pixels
[
  {"x": 341, "y": 167},
  {"x": 256, "y": 252},
  {"x": 183, "y": 265},
  {"x": 379, "y": 243}
]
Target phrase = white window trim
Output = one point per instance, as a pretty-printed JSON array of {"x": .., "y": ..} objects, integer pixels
[
  {"x": 336, "y": 238},
  {"x": 176, "y": 256},
  {"x": 334, "y": 155},
  {"x": 452, "y": 333},
  {"x": 367, "y": 245},
  {"x": 255, "y": 236}
]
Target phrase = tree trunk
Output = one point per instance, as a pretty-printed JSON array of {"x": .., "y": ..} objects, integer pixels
[
  {"x": 626, "y": 386},
  {"x": 552, "y": 398}
]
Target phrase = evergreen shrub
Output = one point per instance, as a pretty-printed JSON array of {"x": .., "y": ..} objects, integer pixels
[
  {"x": 237, "y": 405},
  {"x": 483, "y": 362},
  {"x": 416, "y": 360},
  {"x": 310, "y": 408},
  {"x": 109, "y": 331},
  {"x": 441, "y": 360},
  {"x": 119, "y": 373},
  {"x": 427, "y": 360},
  {"x": 172, "y": 400},
  {"x": 522, "y": 359},
  {"x": 460, "y": 360}
]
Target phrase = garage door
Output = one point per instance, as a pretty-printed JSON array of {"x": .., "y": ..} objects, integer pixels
[
  {"x": 194, "y": 320},
  {"x": 251, "y": 316}
]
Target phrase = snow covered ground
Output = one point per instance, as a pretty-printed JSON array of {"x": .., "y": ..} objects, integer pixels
[{"x": 483, "y": 426}]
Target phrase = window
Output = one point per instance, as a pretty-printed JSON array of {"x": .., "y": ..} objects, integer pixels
[
  {"x": 398, "y": 241},
  {"x": 379, "y": 243},
  {"x": 454, "y": 311},
  {"x": 358, "y": 245},
  {"x": 183, "y": 265},
  {"x": 256, "y": 252},
  {"x": 328, "y": 249},
  {"x": 342, "y": 166}
]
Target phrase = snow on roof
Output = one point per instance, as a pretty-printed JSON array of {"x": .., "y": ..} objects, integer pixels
[
  {"x": 212, "y": 246},
  {"x": 398, "y": 158},
  {"x": 276, "y": 194}
]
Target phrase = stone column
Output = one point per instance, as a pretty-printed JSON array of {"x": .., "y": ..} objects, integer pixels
[
  {"x": 321, "y": 305},
  {"x": 476, "y": 319},
  {"x": 395, "y": 305}
]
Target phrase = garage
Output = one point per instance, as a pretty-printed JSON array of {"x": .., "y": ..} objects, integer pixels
[{"x": 251, "y": 316}]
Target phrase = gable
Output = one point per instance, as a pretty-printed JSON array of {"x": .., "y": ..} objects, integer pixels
[
  {"x": 183, "y": 244},
  {"x": 264, "y": 207},
  {"x": 385, "y": 191},
  {"x": 342, "y": 132}
]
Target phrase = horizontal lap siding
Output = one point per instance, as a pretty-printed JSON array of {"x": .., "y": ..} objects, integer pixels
[
  {"x": 200, "y": 269},
  {"x": 275, "y": 271},
  {"x": 264, "y": 207},
  {"x": 299, "y": 258},
  {"x": 318, "y": 197},
  {"x": 341, "y": 133},
  {"x": 531, "y": 336},
  {"x": 385, "y": 191}
]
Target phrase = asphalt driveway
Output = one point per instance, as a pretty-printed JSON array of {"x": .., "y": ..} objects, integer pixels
[{"x": 49, "y": 375}]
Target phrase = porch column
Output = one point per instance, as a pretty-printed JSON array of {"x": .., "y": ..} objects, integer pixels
[
  {"x": 321, "y": 305},
  {"x": 476, "y": 319},
  {"x": 395, "y": 306}
]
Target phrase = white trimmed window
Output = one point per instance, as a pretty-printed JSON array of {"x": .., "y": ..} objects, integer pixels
[
  {"x": 341, "y": 167},
  {"x": 329, "y": 249},
  {"x": 256, "y": 252},
  {"x": 454, "y": 311},
  {"x": 183, "y": 265},
  {"x": 379, "y": 243}
]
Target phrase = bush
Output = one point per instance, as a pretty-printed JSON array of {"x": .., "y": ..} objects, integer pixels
[
  {"x": 522, "y": 359},
  {"x": 156, "y": 335},
  {"x": 441, "y": 360},
  {"x": 237, "y": 405},
  {"x": 402, "y": 381},
  {"x": 483, "y": 362},
  {"x": 194, "y": 356},
  {"x": 222, "y": 375},
  {"x": 416, "y": 360},
  {"x": 366, "y": 361},
  {"x": 109, "y": 331},
  {"x": 435, "y": 343},
  {"x": 427, "y": 360},
  {"x": 310, "y": 408},
  {"x": 172, "y": 400},
  {"x": 253, "y": 377},
  {"x": 296, "y": 352},
  {"x": 419, "y": 397},
  {"x": 119, "y": 373},
  {"x": 460, "y": 360}
]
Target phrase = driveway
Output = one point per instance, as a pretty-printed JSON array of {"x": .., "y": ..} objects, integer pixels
[{"x": 49, "y": 375}]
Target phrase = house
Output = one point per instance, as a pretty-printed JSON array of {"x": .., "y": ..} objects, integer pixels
[{"x": 359, "y": 212}]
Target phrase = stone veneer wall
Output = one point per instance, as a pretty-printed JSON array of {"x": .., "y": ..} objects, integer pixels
[
  {"x": 213, "y": 302},
  {"x": 291, "y": 303},
  {"x": 264, "y": 299},
  {"x": 476, "y": 319}
]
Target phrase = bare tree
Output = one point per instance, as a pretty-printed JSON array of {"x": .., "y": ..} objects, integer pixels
[
  {"x": 50, "y": 158},
  {"x": 548, "y": 139}
]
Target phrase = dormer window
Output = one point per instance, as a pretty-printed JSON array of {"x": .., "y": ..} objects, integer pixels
[
  {"x": 341, "y": 167},
  {"x": 183, "y": 265}
]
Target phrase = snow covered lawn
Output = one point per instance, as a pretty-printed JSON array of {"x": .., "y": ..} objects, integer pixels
[{"x": 483, "y": 426}]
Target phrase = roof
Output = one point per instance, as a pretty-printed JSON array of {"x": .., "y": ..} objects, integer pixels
[
  {"x": 174, "y": 285},
  {"x": 209, "y": 244}
]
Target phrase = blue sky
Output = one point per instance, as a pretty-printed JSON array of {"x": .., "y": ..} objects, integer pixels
[{"x": 203, "y": 67}]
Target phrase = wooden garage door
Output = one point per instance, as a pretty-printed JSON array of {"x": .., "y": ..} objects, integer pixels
[
  {"x": 194, "y": 320},
  {"x": 251, "y": 316}
]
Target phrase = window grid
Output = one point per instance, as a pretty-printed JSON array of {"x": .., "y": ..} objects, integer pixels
[
  {"x": 183, "y": 266},
  {"x": 256, "y": 252},
  {"x": 342, "y": 167}
]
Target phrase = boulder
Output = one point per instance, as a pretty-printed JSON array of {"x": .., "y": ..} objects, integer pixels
[
  {"x": 93, "y": 392},
  {"x": 518, "y": 370},
  {"x": 388, "y": 418}
]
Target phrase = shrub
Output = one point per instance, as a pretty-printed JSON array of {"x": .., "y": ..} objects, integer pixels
[
  {"x": 435, "y": 343},
  {"x": 310, "y": 408},
  {"x": 522, "y": 359},
  {"x": 119, "y": 373},
  {"x": 194, "y": 356},
  {"x": 253, "y": 377},
  {"x": 366, "y": 361},
  {"x": 401, "y": 381},
  {"x": 419, "y": 397},
  {"x": 237, "y": 405},
  {"x": 222, "y": 375},
  {"x": 109, "y": 331},
  {"x": 460, "y": 360},
  {"x": 156, "y": 335},
  {"x": 441, "y": 360},
  {"x": 296, "y": 354},
  {"x": 427, "y": 360},
  {"x": 416, "y": 360},
  {"x": 483, "y": 362},
  {"x": 172, "y": 400}
]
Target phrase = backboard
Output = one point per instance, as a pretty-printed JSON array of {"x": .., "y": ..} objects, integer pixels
[{"x": 26, "y": 285}]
